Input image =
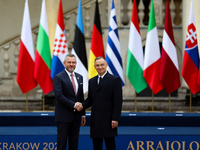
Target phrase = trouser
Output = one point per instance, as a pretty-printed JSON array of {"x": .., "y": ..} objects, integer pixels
[
  {"x": 70, "y": 132},
  {"x": 109, "y": 142}
]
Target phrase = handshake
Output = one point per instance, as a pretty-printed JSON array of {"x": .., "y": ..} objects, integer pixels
[{"x": 78, "y": 106}]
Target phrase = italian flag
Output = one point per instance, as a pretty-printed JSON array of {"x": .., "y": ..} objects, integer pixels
[
  {"x": 152, "y": 55},
  {"x": 135, "y": 60},
  {"x": 43, "y": 55}
]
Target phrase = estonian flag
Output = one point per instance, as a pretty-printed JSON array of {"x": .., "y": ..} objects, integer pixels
[{"x": 79, "y": 49}]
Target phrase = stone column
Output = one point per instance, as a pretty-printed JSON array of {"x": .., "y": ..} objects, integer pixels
[{"x": 158, "y": 11}]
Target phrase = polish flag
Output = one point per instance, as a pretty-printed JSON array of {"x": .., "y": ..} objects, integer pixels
[{"x": 26, "y": 63}]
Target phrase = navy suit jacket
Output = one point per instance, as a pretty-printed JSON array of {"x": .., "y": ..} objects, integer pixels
[{"x": 66, "y": 98}]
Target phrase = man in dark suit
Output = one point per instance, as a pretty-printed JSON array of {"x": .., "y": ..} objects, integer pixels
[
  {"x": 68, "y": 89},
  {"x": 105, "y": 97}
]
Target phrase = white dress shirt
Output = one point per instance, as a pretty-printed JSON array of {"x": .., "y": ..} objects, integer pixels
[
  {"x": 101, "y": 77},
  {"x": 75, "y": 80}
]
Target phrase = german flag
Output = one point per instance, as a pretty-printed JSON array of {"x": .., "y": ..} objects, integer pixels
[{"x": 97, "y": 48}]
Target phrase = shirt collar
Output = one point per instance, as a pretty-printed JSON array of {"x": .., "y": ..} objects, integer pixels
[
  {"x": 70, "y": 73},
  {"x": 102, "y": 75}
]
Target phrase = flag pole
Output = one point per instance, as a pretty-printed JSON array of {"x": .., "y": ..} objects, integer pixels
[
  {"x": 26, "y": 102},
  {"x": 43, "y": 99},
  {"x": 190, "y": 101},
  {"x": 169, "y": 102},
  {"x": 135, "y": 101},
  {"x": 152, "y": 101}
]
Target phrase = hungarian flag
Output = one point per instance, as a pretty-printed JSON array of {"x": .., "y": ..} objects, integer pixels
[
  {"x": 97, "y": 48},
  {"x": 79, "y": 49},
  {"x": 43, "y": 55},
  {"x": 60, "y": 49},
  {"x": 190, "y": 70},
  {"x": 135, "y": 58},
  {"x": 26, "y": 62},
  {"x": 152, "y": 55},
  {"x": 169, "y": 73}
]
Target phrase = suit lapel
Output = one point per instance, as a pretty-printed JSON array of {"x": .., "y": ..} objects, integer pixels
[
  {"x": 68, "y": 80},
  {"x": 78, "y": 79},
  {"x": 103, "y": 81}
]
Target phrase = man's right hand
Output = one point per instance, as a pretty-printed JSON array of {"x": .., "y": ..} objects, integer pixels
[{"x": 78, "y": 106}]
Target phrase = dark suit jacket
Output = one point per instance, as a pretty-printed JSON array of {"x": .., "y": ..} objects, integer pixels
[
  {"x": 66, "y": 98},
  {"x": 106, "y": 102}
]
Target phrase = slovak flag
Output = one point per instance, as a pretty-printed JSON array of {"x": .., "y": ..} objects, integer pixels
[
  {"x": 60, "y": 49},
  {"x": 190, "y": 68}
]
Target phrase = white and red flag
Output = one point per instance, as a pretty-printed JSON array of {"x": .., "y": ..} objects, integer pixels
[
  {"x": 190, "y": 70},
  {"x": 26, "y": 62},
  {"x": 169, "y": 72}
]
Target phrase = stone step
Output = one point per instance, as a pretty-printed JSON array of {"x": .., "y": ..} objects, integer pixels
[{"x": 160, "y": 104}]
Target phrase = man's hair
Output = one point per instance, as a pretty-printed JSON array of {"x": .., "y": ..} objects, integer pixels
[
  {"x": 97, "y": 58},
  {"x": 69, "y": 55}
]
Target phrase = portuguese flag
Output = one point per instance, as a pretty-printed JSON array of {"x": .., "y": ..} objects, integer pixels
[
  {"x": 43, "y": 55},
  {"x": 97, "y": 48}
]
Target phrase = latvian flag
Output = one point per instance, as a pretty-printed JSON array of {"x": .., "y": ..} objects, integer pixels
[{"x": 169, "y": 70}]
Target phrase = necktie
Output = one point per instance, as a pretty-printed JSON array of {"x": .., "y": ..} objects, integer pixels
[
  {"x": 100, "y": 78},
  {"x": 73, "y": 83}
]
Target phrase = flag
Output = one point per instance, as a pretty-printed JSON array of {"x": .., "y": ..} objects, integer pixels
[
  {"x": 135, "y": 58},
  {"x": 60, "y": 49},
  {"x": 79, "y": 49},
  {"x": 169, "y": 72},
  {"x": 97, "y": 48},
  {"x": 26, "y": 62},
  {"x": 152, "y": 55},
  {"x": 43, "y": 56},
  {"x": 190, "y": 68},
  {"x": 113, "y": 52}
]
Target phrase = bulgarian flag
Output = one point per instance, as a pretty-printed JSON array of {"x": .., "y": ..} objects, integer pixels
[
  {"x": 26, "y": 63},
  {"x": 135, "y": 60},
  {"x": 97, "y": 48},
  {"x": 43, "y": 55},
  {"x": 152, "y": 55},
  {"x": 169, "y": 72}
]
